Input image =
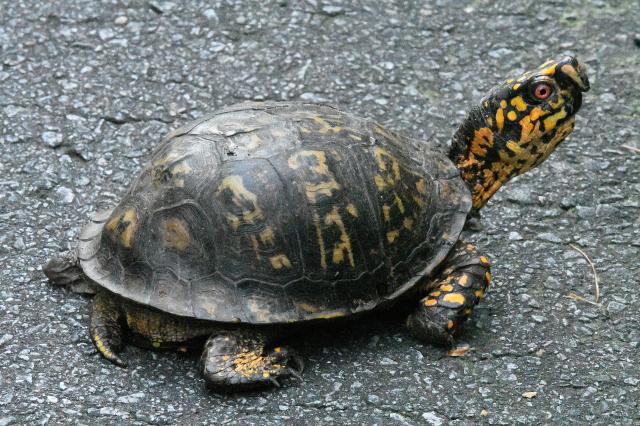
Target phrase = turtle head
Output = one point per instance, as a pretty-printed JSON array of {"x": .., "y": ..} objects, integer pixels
[{"x": 517, "y": 125}]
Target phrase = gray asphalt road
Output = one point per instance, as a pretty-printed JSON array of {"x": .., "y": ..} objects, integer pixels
[{"x": 88, "y": 89}]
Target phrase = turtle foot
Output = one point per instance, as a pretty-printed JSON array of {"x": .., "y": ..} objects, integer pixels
[{"x": 239, "y": 361}]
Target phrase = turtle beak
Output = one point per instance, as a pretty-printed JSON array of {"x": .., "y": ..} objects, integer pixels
[{"x": 576, "y": 72}]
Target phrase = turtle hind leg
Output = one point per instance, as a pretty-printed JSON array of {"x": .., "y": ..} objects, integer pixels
[
  {"x": 451, "y": 296},
  {"x": 64, "y": 269},
  {"x": 239, "y": 360},
  {"x": 106, "y": 327}
]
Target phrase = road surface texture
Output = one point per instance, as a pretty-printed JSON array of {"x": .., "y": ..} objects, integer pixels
[{"x": 87, "y": 89}]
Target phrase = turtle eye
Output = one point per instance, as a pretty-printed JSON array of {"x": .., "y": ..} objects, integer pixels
[{"x": 541, "y": 91}]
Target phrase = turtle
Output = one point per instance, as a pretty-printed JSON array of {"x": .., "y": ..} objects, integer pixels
[{"x": 264, "y": 217}]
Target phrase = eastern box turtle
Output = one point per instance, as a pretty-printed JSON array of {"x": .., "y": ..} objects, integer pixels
[{"x": 263, "y": 217}]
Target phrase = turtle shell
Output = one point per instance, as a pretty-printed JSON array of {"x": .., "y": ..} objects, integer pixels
[{"x": 278, "y": 213}]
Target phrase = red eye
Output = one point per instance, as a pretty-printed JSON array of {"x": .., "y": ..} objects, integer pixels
[{"x": 542, "y": 91}]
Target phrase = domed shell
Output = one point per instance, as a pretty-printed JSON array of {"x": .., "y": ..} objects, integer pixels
[{"x": 278, "y": 213}]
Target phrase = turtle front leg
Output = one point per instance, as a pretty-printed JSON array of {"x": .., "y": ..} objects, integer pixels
[
  {"x": 240, "y": 360},
  {"x": 106, "y": 327},
  {"x": 451, "y": 296}
]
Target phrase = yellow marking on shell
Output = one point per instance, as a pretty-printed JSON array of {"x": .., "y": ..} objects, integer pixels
[
  {"x": 509, "y": 81},
  {"x": 176, "y": 234},
  {"x": 551, "y": 121},
  {"x": 490, "y": 121},
  {"x": 503, "y": 104},
  {"x": 500, "y": 118},
  {"x": 156, "y": 344},
  {"x": 470, "y": 248},
  {"x": 379, "y": 182},
  {"x": 464, "y": 280},
  {"x": 407, "y": 223},
  {"x": 455, "y": 298},
  {"x": 516, "y": 86},
  {"x": 385, "y": 133},
  {"x": 430, "y": 302},
  {"x": 330, "y": 315},
  {"x": 435, "y": 293},
  {"x": 487, "y": 276},
  {"x": 467, "y": 311},
  {"x": 421, "y": 186},
  {"x": 130, "y": 217},
  {"x": 380, "y": 155},
  {"x": 339, "y": 248},
  {"x": 268, "y": 236},
  {"x": 479, "y": 293},
  {"x": 392, "y": 235},
  {"x": 265, "y": 374},
  {"x": 450, "y": 324},
  {"x": 325, "y": 187},
  {"x": 398, "y": 202},
  {"x": 130, "y": 221},
  {"x": 241, "y": 196},
  {"x": 325, "y": 126},
  {"x": 255, "y": 141},
  {"x": 280, "y": 261},
  {"x": 353, "y": 211},
  {"x": 511, "y": 115},
  {"x": 355, "y": 137},
  {"x": 484, "y": 260},
  {"x": 308, "y": 308},
  {"x": 277, "y": 349},
  {"x": 323, "y": 253},
  {"x": 181, "y": 168},
  {"x": 386, "y": 212}
]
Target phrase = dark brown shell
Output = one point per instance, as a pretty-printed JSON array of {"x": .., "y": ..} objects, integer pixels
[{"x": 278, "y": 212}]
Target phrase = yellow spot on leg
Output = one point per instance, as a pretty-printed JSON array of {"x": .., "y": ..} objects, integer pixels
[
  {"x": 500, "y": 118},
  {"x": 484, "y": 260},
  {"x": 464, "y": 280},
  {"x": 450, "y": 324},
  {"x": 446, "y": 287},
  {"x": 454, "y": 298}
]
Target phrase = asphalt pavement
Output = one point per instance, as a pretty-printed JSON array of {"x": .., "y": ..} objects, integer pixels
[{"x": 87, "y": 89}]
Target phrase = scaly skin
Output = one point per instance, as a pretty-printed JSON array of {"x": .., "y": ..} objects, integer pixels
[
  {"x": 232, "y": 360},
  {"x": 512, "y": 132},
  {"x": 452, "y": 295}
]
